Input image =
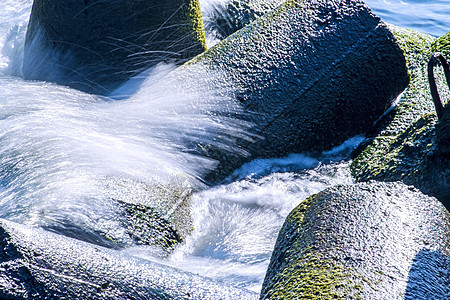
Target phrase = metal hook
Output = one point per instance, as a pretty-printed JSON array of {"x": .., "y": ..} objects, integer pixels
[{"x": 434, "y": 91}]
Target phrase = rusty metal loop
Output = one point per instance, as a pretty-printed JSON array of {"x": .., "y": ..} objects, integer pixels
[{"x": 435, "y": 58}]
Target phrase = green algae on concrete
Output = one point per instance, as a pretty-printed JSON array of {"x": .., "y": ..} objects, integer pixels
[
  {"x": 362, "y": 241},
  {"x": 197, "y": 30},
  {"x": 442, "y": 45},
  {"x": 297, "y": 94},
  {"x": 310, "y": 275},
  {"x": 97, "y": 45},
  {"x": 153, "y": 213},
  {"x": 404, "y": 145}
]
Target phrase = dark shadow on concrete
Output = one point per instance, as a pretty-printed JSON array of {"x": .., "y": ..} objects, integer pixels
[{"x": 429, "y": 276}]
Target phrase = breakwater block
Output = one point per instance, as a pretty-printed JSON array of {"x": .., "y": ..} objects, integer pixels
[
  {"x": 308, "y": 76},
  {"x": 96, "y": 45},
  {"x": 366, "y": 241},
  {"x": 411, "y": 144},
  {"x": 37, "y": 264}
]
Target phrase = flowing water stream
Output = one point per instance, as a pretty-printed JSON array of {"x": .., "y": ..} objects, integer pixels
[{"x": 59, "y": 148}]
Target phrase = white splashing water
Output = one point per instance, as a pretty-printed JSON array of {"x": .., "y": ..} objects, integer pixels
[
  {"x": 236, "y": 224},
  {"x": 58, "y": 146},
  {"x": 14, "y": 17},
  {"x": 209, "y": 9}
]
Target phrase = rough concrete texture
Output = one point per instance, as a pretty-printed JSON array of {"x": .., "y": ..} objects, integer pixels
[
  {"x": 150, "y": 213},
  {"x": 404, "y": 145},
  {"x": 95, "y": 45},
  {"x": 36, "y": 264},
  {"x": 153, "y": 213},
  {"x": 309, "y": 75},
  {"x": 365, "y": 241}
]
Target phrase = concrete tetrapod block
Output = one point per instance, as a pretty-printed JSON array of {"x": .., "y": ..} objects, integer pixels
[
  {"x": 308, "y": 75},
  {"x": 409, "y": 144},
  {"x": 149, "y": 213},
  {"x": 365, "y": 241},
  {"x": 36, "y": 264},
  {"x": 96, "y": 45}
]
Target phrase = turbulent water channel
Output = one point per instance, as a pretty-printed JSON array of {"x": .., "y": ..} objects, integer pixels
[{"x": 60, "y": 149}]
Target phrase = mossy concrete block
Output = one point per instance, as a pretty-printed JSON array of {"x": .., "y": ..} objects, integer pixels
[
  {"x": 308, "y": 75},
  {"x": 365, "y": 241},
  {"x": 153, "y": 213},
  {"x": 96, "y": 45},
  {"x": 404, "y": 145},
  {"x": 442, "y": 45},
  {"x": 37, "y": 264},
  {"x": 227, "y": 18}
]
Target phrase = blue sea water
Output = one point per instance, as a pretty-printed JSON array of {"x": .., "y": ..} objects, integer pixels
[{"x": 427, "y": 16}]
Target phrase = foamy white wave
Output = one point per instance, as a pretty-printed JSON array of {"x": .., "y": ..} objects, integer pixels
[
  {"x": 294, "y": 162},
  {"x": 58, "y": 146},
  {"x": 236, "y": 225}
]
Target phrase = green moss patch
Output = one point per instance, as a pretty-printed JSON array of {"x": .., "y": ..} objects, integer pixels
[
  {"x": 311, "y": 276},
  {"x": 194, "y": 15},
  {"x": 302, "y": 270},
  {"x": 443, "y": 45},
  {"x": 153, "y": 213}
]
